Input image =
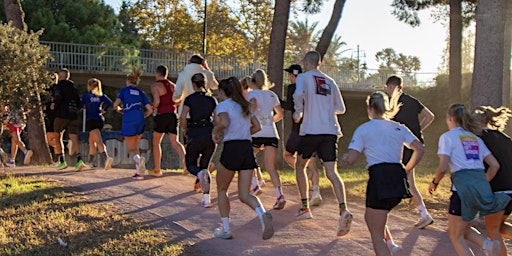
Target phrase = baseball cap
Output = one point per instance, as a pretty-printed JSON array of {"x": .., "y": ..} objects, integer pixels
[{"x": 294, "y": 69}]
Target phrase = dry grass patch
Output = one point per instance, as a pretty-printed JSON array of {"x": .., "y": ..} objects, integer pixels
[{"x": 36, "y": 212}]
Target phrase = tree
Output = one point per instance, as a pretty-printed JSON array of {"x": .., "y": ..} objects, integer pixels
[
  {"x": 332, "y": 56},
  {"x": 23, "y": 78},
  {"x": 14, "y": 13},
  {"x": 301, "y": 39},
  {"x": 507, "y": 48},
  {"x": 328, "y": 33},
  {"x": 391, "y": 62},
  {"x": 489, "y": 53}
]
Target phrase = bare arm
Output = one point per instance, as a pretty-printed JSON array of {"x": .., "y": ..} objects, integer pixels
[
  {"x": 183, "y": 119},
  {"x": 221, "y": 123},
  {"x": 350, "y": 157},
  {"x": 426, "y": 118},
  {"x": 117, "y": 104},
  {"x": 156, "y": 94},
  {"x": 444, "y": 161},
  {"x": 278, "y": 113},
  {"x": 494, "y": 166},
  {"x": 255, "y": 125},
  {"x": 418, "y": 151},
  {"x": 149, "y": 110}
]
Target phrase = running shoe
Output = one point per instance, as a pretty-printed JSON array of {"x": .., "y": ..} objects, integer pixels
[
  {"x": 108, "y": 163},
  {"x": 280, "y": 202},
  {"x": 204, "y": 180},
  {"x": 206, "y": 202},
  {"x": 10, "y": 163},
  {"x": 197, "y": 186},
  {"x": 142, "y": 165},
  {"x": 155, "y": 173},
  {"x": 79, "y": 166},
  {"x": 490, "y": 247},
  {"x": 137, "y": 177},
  {"x": 316, "y": 199},
  {"x": 394, "y": 248},
  {"x": 185, "y": 171},
  {"x": 219, "y": 233},
  {"x": 423, "y": 222},
  {"x": 303, "y": 214},
  {"x": 266, "y": 226},
  {"x": 62, "y": 166},
  {"x": 256, "y": 191},
  {"x": 28, "y": 155},
  {"x": 344, "y": 223}
]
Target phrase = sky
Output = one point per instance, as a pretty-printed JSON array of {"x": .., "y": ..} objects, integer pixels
[{"x": 370, "y": 25}]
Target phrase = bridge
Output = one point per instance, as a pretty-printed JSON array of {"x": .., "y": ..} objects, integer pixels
[{"x": 111, "y": 64}]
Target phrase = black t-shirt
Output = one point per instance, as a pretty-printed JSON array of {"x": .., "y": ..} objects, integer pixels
[
  {"x": 201, "y": 107},
  {"x": 289, "y": 105},
  {"x": 409, "y": 114},
  {"x": 500, "y": 146},
  {"x": 67, "y": 100}
]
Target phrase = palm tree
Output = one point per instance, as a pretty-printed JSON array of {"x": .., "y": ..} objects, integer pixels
[
  {"x": 328, "y": 33},
  {"x": 332, "y": 56},
  {"x": 302, "y": 38}
]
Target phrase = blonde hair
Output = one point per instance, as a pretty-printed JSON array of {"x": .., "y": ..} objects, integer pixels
[
  {"x": 95, "y": 84},
  {"x": 245, "y": 82},
  {"x": 463, "y": 117},
  {"x": 260, "y": 79},
  {"x": 134, "y": 76},
  {"x": 495, "y": 118},
  {"x": 382, "y": 105}
]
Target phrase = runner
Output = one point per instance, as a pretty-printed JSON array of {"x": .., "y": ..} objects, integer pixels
[
  {"x": 134, "y": 103},
  {"x": 409, "y": 114},
  {"x": 464, "y": 154},
  {"x": 166, "y": 121},
  {"x": 234, "y": 119},
  {"x": 16, "y": 123},
  {"x": 96, "y": 104},
  {"x": 268, "y": 111},
  {"x": 383, "y": 150},
  {"x": 200, "y": 106},
  {"x": 292, "y": 144},
  {"x": 49, "y": 116},
  {"x": 317, "y": 101}
]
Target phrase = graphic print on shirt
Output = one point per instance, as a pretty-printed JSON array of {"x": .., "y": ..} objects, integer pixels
[
  {"x": 321, "y": 87},
  {"x": 470, "y": 146}
]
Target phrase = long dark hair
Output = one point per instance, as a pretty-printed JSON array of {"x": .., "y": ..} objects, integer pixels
[
  {"x": 497, "y": 118},
  {"x": 233, "y": 89}
]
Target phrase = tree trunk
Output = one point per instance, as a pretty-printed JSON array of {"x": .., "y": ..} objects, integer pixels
[
  {"x": 488, "y": 69},
  {"x": 276, "y": 60},
  {"x": 455, "y": 57},
  {"x": 14, "y": 13},
  {"x": 507, "y": 50},
  {"x": 328, "y": 33}
]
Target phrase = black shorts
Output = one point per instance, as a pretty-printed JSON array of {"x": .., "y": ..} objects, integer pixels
[
  {"x": 93, "y": 124},
  {"x": 455, "y": 207},
  {"x": 166, "y": 123},
  {"x": 385, "y": 188},
  {"x": 271, "y": 142},
  {"x": 48, "y": 123},
  {"x": 292, "y": 144},
  {"x": 325, "y": 145},
  {"x": 70, "y": 125},
  {"x": 238, "y": 155}
]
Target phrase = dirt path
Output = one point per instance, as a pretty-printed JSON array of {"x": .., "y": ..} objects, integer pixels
[{"x": 169, "y": 204}]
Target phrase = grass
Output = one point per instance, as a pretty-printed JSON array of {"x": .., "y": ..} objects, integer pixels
[{"x": 36, "y": 212}]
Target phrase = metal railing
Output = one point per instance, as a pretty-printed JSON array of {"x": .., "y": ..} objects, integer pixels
[{"x": 118, "y": 59}]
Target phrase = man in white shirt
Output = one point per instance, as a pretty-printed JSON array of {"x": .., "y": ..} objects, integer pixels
[{"x": 318, "y": 100}]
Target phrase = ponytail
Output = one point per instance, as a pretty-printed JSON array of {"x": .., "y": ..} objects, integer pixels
[
  {"x": 233, "y": 89},
  {"x": 462, "y": 117}
]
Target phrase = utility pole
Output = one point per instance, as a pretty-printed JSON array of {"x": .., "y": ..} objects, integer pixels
[{"x": 204, "y": 27}]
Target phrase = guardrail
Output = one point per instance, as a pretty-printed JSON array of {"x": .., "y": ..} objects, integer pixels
[{"x": 118, "y": 59}]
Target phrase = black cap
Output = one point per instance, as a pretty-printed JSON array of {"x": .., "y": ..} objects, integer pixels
[{"x": 294, "y": 69}]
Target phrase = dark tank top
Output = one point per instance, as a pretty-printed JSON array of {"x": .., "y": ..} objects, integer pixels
[{"x": 166, "y": 103}]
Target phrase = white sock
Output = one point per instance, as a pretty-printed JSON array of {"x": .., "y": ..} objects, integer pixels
[
  {"x": 260, "y": 211},
  {"x": 206, "y": 198},
  {"x": 136, "y": 158},
  {"x": 279, "y": 191},
  {"x": 254, "y": 181},
  {"x": 225, "y": 224},
  {"x": 423, "y": 211}
]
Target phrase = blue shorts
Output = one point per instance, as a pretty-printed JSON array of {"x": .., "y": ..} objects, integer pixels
[{"x": 133, "y": 124}]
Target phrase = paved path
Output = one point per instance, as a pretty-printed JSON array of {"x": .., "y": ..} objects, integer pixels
[{"x": 169, "y": 204}]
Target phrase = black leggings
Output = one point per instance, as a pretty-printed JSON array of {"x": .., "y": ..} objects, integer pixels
[{"x": 203, "y": 147}]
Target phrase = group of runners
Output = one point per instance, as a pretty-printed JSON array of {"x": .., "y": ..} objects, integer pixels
[{"x": 243, "y": 117}]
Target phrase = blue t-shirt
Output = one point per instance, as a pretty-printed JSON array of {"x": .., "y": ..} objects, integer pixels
[
  {"x": 134, "y": 101},
  {"x": 93, "y": 105}
]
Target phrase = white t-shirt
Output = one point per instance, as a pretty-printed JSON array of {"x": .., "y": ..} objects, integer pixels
[
  {"x": 381, "y": 141},
  {"x": 318, "y": 99},
  {"x": 466, "y": 150},
  {"x": 239, "y": 125},
  {"x": 266, "y": 101}
]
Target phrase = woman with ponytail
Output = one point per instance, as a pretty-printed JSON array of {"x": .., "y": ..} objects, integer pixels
[
  {"x": 464, "y": 154},
  {"x": 135, "y": 108},
  {"x": 234, "y": 119}
]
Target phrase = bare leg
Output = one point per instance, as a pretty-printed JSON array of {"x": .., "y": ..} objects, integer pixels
[
  {"x": 157, "y": 150},
  {"x": 335, "y": 179},
  {"x": 173, "y": 138},
  {"x": 376, "y": 221},
  {"x": 457, "y": 229},
  {"x": 493, "y": 225},
  {"x": 270, "y": 160},
  {"x": 223, "y": 178},
  {"x": 301, "y": 177}
]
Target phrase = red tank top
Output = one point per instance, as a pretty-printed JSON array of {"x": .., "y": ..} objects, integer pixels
[{"x": 166, "y": 104}]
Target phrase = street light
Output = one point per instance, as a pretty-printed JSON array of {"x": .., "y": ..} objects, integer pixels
[{"x": 204, "y": 28}]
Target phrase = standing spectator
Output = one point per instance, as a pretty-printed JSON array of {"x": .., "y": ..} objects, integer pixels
[
  {"x": 96, "y": 104},
  {"x": 66, "y": 105},
  {"x": 200, "y": 106},
  {"x": 383, "y": 150},
  {"x": 292, "y": 144},
  {"x": 317, "y": 101},
  {"x": 166, "y": 121},
  {"x": 409, "y": 115},
  {"x": 233, "y": 117},
  {"x": 16, "y": 120},
  {"x": 136, "y": 107},
  {"x": 464, "y": 154}
]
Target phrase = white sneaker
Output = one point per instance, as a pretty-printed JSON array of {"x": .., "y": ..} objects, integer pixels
[
  {"x": 108, "y": 163},
  {"x": 491, "y": 247},
  {"x": 219, "y": 233},
  {"x": 344, "y": 223},
  {"x": 266, "y": 226},
  {"x": 142, "y": 165},
  {"x": 28, "y": 155},
  {"x": 423, "y": 222},
  {"x": 316, "y": 199},
  {"x": 206, "y": 202},
  {"x": 204, "y": 179},
  {"x": 394, "y": 248}
]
